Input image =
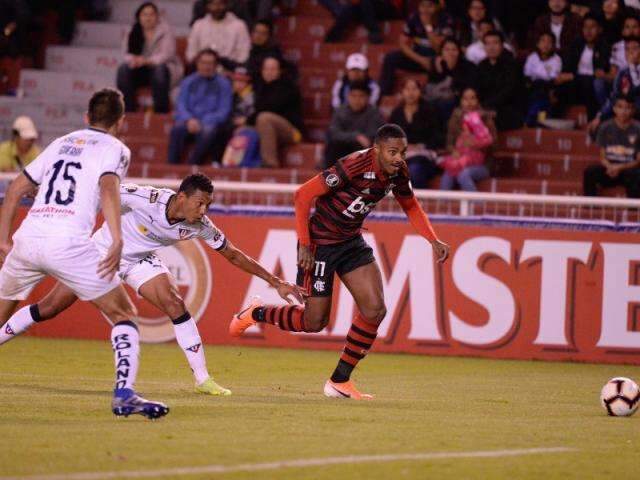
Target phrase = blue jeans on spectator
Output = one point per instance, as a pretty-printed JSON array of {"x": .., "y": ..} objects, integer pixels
[
  {"x": 129, "y": 79},
  {"x": 204, "y": 142},
  {"x": 466, "y": 179},
  {"x": 421, "y": 170}
]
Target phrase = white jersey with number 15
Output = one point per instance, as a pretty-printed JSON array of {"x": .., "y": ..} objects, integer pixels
[{"x": 68, "y": 173}]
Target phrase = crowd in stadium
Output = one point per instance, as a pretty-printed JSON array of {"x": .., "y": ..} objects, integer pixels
[{"x": 483, "y": 66}]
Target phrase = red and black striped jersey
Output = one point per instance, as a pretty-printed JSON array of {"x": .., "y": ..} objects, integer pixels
[{"x": 356, "y": 184}]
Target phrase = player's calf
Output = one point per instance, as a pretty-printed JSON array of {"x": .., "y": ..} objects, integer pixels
[{"x": 20, "y": 322}]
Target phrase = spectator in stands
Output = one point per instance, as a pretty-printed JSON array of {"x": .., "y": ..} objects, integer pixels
[
  {"x": 150, "y": 59},
  {"x": 222, "y": 31},
  {"x": 353, "y": 125},
  {"x": 613, "y": 15},
  {"x": 263, "y": 45},
  {"x": 470, "y": 134},
  {"x": 451, "y": 74},
  {"x": 203, "y": 105},
  {"x": 468, "y": 31},
  {"x": 627, "y": 83},
  {"x": 541, "y": 71},
  {"x": 367, "y": 12},
  {"x": 278, "y": 111},
  {"x": 560, "y": 21},
  {"x": 242, "y": 141},
  {"x": 500, "y": 83},
  {"x": 423, "y": 34},
  {"x": 619, "y": 142},
  {"x": 240, "y": 8},
  {"x": 21, "y": 150},
  {"x": 357, "y": 71},
  {"x": 585, "y": 69},
  {"x": 475, "y": 52},
  {"x": 630, "y": 28},
  {"x": 14, "y": 19},
  {"x": 422, "y": 124}
]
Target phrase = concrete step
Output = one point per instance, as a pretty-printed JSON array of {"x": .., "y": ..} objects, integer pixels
[
  {"x": 306, "y": 28},
  {"x": 176, "y": 12},
  {"x": 74, "y": 88},
  {"x": 103, "y": 62},
  {"x": 541, "y": 166},
  {"x": 109, "y": 34},
  {"x": 571, "y": 142}
]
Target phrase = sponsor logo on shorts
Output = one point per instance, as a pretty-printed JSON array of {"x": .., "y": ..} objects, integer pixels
[
  {"x": 319, "y": 286},
  {"x": 332, "y": 180}
]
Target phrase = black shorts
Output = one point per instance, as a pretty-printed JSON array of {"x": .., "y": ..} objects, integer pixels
[{"x": 340, "y": 258}]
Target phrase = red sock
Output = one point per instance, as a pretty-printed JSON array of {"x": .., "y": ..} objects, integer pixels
[
  {"x": 286, "y": 317},
  {"x": 360, "y": 338}
]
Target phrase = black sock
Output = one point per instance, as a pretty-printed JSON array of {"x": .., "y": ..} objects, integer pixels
[
  {"x": 258, "y": 314},
  {"x": 342, "y": 373},
  {"x": 35, "y": 313}
]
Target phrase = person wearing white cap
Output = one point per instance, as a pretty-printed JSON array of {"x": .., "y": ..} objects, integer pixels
[
  {"x": 357, "y": 71},
  {"x": 17, "y": 153}
]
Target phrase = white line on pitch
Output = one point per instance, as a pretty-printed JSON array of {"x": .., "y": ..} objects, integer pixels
[{"x": 309, "y": 462}]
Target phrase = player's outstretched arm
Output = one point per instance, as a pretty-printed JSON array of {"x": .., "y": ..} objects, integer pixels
[
  {"x": 420, "y": 222},
  {"x": 110, "y": 201},
  {"x": 244, "y": 262},
  {"x": 20, "y": 187},
  {"x": 303, "y": 200}
]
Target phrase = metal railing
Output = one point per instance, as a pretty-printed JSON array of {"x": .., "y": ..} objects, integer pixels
[{"x": 453, "y": 203}]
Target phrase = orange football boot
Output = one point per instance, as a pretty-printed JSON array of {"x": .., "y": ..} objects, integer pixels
[
  {"x": 344, "y": 390},
  {"x": 244, "y": 319}
]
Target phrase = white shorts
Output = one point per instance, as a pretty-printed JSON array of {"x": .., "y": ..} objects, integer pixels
[
  {"x": 138, "y": 273},
  {"x": 72, "y": 262}
]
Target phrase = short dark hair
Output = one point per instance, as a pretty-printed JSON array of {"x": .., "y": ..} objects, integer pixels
[
  {"x": 388, "y": 131},
  {"x": 624, "y": 98},
  {"x": 196, "y": 182},
  {"x": 494, "y": 33},
  {"x": 635, "y": 39},
  {"x": 207, "y": 51},
  {"x": 361, "y": 85},
  {"x": 106, "y": 107},
  {"x": 592, "y": 16},
  {"x": 267, "y": 23}
]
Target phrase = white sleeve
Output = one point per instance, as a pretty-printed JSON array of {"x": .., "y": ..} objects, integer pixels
[
  {"x": 37, "y": 169},
  {"x": 557, "y": 67},
  {"x": 212, "y": 235},
  {"x": 135, "y": 197},
  {"x": 529, "y": 67},
  {"x": 116, "y": 160}
]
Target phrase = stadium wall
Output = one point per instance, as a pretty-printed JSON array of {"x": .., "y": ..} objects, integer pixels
[{"x": 521, "y": 293}]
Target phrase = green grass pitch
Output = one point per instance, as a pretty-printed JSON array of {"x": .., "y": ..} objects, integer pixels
[{"x": 55, "y": 416}]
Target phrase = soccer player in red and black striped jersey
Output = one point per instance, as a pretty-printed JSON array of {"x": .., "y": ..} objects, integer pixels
[{"x": 330, "y": 242}]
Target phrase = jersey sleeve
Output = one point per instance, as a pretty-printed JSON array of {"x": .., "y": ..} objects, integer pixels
[
  {"x": 338, "y": 176},
  {"x": 212, "y": 235},
  {"x": 135, "y": 197},
  {"x": 116, "y": 160},
  {"x": 37, "y": 169}
]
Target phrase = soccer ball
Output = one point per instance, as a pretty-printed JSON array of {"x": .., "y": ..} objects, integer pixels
[{"x": 620, "y": 397}]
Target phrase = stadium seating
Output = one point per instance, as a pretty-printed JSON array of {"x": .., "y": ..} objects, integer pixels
[{"x": 528, "y": 160}]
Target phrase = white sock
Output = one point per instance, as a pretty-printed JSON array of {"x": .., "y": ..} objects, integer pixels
[
  {"x": 125, "y": 342},
  {"x": 18, "y": 323},
  {"x": 188, "y": 338}
]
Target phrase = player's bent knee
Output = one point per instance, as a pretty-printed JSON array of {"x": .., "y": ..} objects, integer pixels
[
  {"x": 316, "y": 324},
  {"x": 375, "y": 314}
]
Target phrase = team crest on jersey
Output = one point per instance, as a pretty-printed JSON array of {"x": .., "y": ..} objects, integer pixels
[
  {"x": 370, "y": 175},
  {"x": 195, "y": 348},
  {"x": 332, "y": 180}
]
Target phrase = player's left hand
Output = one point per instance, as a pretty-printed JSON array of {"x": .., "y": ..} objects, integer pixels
[
  {"x": 441, "y": 250},
  {"x": 287, "y": 290}
]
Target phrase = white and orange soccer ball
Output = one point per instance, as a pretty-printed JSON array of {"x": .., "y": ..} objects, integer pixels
[{"x": 620, "y": 397}]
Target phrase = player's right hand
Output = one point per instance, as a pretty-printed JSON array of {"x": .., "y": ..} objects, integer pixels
[
  {"x": 305, "y": 257},
  {"x": 109, "y": 265}
]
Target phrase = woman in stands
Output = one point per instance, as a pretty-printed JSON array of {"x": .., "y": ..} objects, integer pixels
[
  {"x": 150, "y": 59},
  {"x": 420, "y": 122},
  {"x": 470, "y": 134},
  {"x": 278, "y": 111}
]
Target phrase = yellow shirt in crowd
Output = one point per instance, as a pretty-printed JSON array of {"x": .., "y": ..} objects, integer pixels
[{"x": 10, "y": 160}]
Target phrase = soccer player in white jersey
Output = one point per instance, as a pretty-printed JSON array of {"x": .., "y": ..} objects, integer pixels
[
  {"x": 74, "y": 176},
  {"x": 153, "y": 218}
]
